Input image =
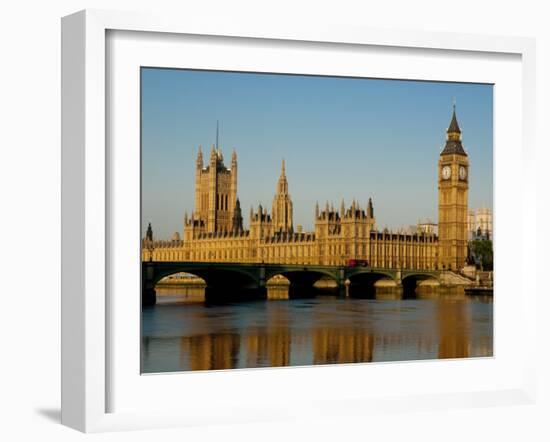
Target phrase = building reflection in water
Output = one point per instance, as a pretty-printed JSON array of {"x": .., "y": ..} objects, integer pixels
[
  {"x": 211, "y": 352},
  {"x": 316, "y": 331},
  {"x": 341, "y": 346},
  {"x": 454, "y": 328},
  {"x": 269, "y": 345},
  {"x": 268, "y": 349}
]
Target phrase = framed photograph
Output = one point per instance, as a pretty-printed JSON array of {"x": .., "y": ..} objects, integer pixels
[{"x": 265, "y": 224}]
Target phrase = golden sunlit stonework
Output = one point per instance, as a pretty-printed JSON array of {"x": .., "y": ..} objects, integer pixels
[{"x": 214, "y": 231}]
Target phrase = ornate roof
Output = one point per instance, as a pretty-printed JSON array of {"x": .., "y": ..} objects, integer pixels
[
  {"x": 453, "y": 147},
  {"x": 454, "y": 142}
]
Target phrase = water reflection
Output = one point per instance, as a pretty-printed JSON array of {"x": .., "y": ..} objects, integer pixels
[
  {"x": 219, "y": 351},
  {"x": 183, "y": 333},
  {"x": 341, "y": 346}
]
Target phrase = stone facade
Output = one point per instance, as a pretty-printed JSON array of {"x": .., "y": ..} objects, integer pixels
[
  {"x": 480, "y": 224},
  {"x": 215, "y": 233}
]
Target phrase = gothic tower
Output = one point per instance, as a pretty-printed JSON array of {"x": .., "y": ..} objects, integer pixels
[
  {"x": 453, "y": 200},
  {"x": 215, "y": 191},
  {"x": 282, "y": 205}
]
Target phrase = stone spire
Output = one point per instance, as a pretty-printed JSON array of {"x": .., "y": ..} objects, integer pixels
[
  {"x": 149, "y": 234},
  {"x": 454, "y": 138},
  {"x": 453, "y": 127},
  {"x": 342, "y": 208},
  {"x": 281, "y": 209},
  {"x": 282, "y": 185},
  {"x": 200, "y": 163},
  {"x": 316, "y": 209}
]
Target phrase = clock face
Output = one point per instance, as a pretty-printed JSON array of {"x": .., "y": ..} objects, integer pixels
[
  {"x": 446, "y": 172},
  {"x": 462, "y": 173}
]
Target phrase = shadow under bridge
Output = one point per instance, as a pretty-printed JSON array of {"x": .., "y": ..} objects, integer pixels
[
  {"x": 223, "y": 283},
  {"x": 368, "y": 282},
  {"x": 413, "y": 281},
  {"x": 238, "y": 281},
  {"x": 302, "y": 279}
]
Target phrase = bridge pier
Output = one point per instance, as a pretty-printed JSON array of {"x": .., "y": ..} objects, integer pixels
[
  {"x": 148, "y": 292},
  {"x": 343, "y": 284},
  {"x": 148, "y": 296},
  {"x": 343, "y": 288}
]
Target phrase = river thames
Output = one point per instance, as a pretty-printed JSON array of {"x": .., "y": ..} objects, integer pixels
[{"x": 183, "y": 333}]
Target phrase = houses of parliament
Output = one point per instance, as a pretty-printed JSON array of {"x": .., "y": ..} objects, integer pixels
[{"x": 215, "y": 230}]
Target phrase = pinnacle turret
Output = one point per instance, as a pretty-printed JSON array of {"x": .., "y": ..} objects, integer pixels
[
  {"x": 200, "y": 162},
  {"x": 282, "y": 185}
]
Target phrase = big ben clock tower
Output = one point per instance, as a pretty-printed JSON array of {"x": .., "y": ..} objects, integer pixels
[{"x": 453, "y": 200}]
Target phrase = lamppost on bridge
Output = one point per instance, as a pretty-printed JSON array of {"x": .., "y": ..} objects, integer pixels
[
  {"x": 149, "y": 296},
  {"x": 149, "y": 243}
]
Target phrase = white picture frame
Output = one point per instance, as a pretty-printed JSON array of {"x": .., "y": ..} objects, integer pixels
[{"x": 86, "y": 205}]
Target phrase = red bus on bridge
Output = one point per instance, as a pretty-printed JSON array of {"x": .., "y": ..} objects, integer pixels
[{"x": 357, "y": 263}]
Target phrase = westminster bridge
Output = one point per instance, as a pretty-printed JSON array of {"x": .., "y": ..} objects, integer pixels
[{"x": 234, "y": 281}]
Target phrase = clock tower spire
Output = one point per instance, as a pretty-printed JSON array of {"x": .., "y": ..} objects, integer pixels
[{"x": 453, "y": 178}]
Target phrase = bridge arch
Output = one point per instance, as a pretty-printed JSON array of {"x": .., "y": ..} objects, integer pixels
[
  {"x": 302, "y": 281},
  {"x": 412, "y": 281},
  {"x": 222, "y": 284},
  {"x": 293, "y": 272},
  {"x": 364, "y": 284},
  {"x": 211, "y": 275},
  {"x": 367, "y": 271}
]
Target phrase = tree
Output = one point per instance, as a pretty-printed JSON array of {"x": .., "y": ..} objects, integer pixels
[{"x": 482, "y": 252}]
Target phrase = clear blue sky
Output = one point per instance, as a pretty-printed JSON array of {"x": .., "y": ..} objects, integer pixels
[{"x": 341, "y": 138}]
